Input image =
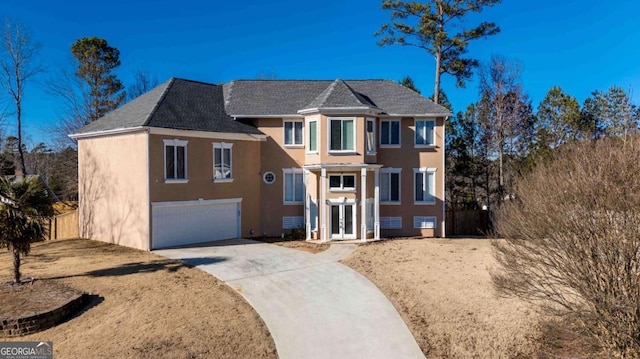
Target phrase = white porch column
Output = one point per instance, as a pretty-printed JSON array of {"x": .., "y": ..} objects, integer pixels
[
  {"x": 307, "y": 205},
  {"x": 376, "y": 205},
  {"x": 322, "y": 204},
  {"x": 363, "y": 204}
]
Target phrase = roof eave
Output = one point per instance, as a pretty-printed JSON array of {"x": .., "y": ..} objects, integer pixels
[
  {"x": 340, "y": 110},
  {"x": 416, "y": 114},
  {"x": 116, "y": 131}
]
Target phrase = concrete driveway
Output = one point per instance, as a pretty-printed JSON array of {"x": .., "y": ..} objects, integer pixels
[{"x": 313, "y": 306}]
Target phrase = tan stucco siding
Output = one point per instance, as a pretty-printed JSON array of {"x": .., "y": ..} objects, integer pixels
[
  {"x": 200, "y": 176},
  {"x": 113, "y": 189},
  {"x": 357, "y": 156},
  {"x": 408, "y": 157},
  {"x": 276, "y": 157}
]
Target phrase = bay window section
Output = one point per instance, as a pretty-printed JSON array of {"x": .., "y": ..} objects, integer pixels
[
  {"x": 342, "y": 135},
  {"x": 313, "y": 136}
]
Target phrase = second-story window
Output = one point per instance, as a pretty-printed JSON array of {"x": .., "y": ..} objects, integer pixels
[
  {"x": 222, "y": 166},
  {"x": 175, "y": 160},
  {"x": 293, "y": 133},
  {"x": 342, "y": 132},
  {"x": 425, "y": 134},
  {"x": 371, "y": 136},
  {"x": 390, "y": 133},
  {"x": 313, "y": 136}
]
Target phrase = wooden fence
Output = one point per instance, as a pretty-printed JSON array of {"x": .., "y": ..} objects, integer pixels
[
  {"x": 467, "y": 222},
  {"x": 64, "y": 226}
]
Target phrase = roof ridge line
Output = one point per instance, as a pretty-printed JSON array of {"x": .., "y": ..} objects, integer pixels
[
  {"x": 353, "y": 92},
  {"x": 162, "y": 97}
]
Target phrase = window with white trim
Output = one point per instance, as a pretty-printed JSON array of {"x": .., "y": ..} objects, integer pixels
[
  {"x": 424, "y": 222},
  {"x": 175, "y": 160},
  {"x": 222, "y": 161},
  {"x": 389, "y": 133},
  {"x": 371, "y": 135},
  {"x": 390, "y": 185},
  {"x": 342, "y": 182},
  {"x": 425, "y": 133},
  {"x": 293, "y": 133},
  {"x": 313, "y": 136},
  {"x": 424, "y": 185},
  {"x": 293, "y": 186},
  {"x": 342, "y": 134}
]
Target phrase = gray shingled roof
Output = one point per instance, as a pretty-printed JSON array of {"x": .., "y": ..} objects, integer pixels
[
  {"x": 191, "y": 105},
  {"x": 254, "y": 98},
  {"x": 339, "y": 94},
  {"x": 177, "y": 104}
]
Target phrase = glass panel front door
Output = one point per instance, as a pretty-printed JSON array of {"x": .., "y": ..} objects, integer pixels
[{"x": 342, "y": 221}]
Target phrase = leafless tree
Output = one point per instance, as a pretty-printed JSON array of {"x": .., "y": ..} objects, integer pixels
[
  {"x": 143, "y": 82},
  {"x": 571, "y": 242},
  {"x": 504, "y": 112},
  {"x": 17, "y": 68}
]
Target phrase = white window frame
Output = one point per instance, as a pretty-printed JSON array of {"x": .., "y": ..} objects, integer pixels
[
  {"x": 175, "y": 143},
  {"x": 372, "y": 121},
  {"x": 432, "y": 140},
  {"x": 342, "y": 188},
  {"x": 432, "y": 185},
  {"x": 293, "y": 134},
  {"x": 223, "y": 146},
  {"x": 389, "y": 170},
  {"x": 424, "y": 222},
  {"x": 308, "y": 125},
  {"x": 355, "y": 141},
  {"x": 399, "y": 134},
  {"x": 294, "y": 172}
]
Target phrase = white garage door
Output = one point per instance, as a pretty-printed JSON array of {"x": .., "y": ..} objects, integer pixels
[{"x": 188, "y": 222}]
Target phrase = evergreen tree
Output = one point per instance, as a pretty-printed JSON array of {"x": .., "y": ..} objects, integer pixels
[
  {"x": 96, "y": 63},
  {"x": 437, "y": 26}
]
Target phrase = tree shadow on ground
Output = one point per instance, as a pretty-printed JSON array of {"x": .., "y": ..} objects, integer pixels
[{"x": 167, "y": 265}]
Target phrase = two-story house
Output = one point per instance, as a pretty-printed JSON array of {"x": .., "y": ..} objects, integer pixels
[{"x": 190, "y": 162}]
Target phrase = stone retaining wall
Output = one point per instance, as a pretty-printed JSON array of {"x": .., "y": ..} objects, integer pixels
[{"x": 38, "y": 322}]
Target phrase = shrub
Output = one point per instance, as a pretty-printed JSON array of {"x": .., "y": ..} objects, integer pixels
[{"x": 571, "y": 241}]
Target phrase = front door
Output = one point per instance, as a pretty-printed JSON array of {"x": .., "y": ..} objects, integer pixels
[{"x": 343, "y": 221}]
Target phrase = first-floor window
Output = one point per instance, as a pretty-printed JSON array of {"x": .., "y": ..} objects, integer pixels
[
  {"x": 342, "y": 182},
  {"x": 222, "y": 169},
  {"x": 390, "y": 185},
  {"x": 425, "y": 188},
  {"x": 293, "y": 186},
  {"x": 175, "y": 159}
]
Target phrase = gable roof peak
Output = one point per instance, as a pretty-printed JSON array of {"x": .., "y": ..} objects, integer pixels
[{"x": 340, "y": 95}]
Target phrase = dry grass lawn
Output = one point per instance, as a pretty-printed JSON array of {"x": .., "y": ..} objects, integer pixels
[
  {"x": 442, "y": 289},
  {"x": 145, "y": 306}
]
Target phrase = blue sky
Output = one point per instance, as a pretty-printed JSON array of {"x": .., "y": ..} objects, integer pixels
[{"x": 581, "y": 46}]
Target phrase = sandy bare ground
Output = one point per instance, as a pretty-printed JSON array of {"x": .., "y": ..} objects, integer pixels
[
  {"x": 145, "y": 306},
  {"x": 442, "y": 289}
]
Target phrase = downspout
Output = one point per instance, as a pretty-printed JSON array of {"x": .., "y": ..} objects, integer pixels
[
  {"x": 150, "y": 209},
  {"x": 444, "y": 206}
]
